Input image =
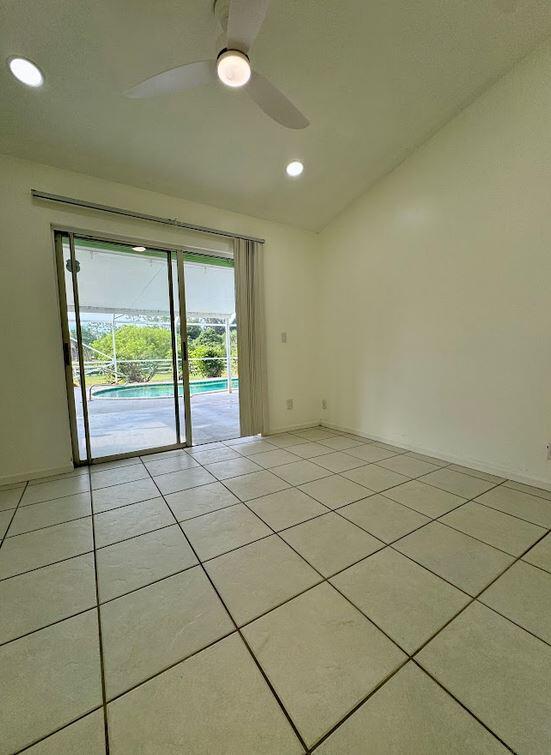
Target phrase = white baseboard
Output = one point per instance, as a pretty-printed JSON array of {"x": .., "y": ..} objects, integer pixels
[
  {"x": 464, "y": 461},
  {"x": 290, "y": 428},
  {"x": 35, "y": 474}
]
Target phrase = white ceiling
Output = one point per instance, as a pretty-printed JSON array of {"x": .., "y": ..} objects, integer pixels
[{"x": 375, "y": 78}]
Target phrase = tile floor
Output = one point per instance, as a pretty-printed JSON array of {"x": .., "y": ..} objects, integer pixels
[{"x": 307, "y": 591}]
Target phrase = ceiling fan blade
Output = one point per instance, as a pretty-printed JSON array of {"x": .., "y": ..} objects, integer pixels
[
  {"x": 244, "y": 22},
  {"x": 274, "y": 103},
  {"x": 175, "y": 80}
]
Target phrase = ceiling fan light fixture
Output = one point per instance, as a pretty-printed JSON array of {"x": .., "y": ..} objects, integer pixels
[
  {"x": 233, "y": 68},
  {"x": 294, "y": 168},
  {"x": 26, "y": 71}
]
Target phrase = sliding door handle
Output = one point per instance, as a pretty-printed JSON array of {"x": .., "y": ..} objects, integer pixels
[{"x": 66, "y": 353}]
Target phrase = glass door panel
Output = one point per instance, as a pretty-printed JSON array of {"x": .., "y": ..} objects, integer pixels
[
  {"x": 211, "y": 332},
  {"x": 121, "y": 320}
]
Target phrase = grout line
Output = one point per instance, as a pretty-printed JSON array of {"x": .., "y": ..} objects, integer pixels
[
  {"x": 283, "y": 709},
  {"x": 28, "y": 746},
  {"x": 100, "y": 635},
  {"x": 15, "y": 510}
]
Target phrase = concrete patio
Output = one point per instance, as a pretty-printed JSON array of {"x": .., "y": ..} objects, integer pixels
[{"x": 123, "y": 425}]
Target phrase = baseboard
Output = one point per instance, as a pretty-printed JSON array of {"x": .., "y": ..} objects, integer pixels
[
  {"x": 34, "y": 475},
  {"x": 464, "y": 461},
  {"x": 290, "y": 428}
]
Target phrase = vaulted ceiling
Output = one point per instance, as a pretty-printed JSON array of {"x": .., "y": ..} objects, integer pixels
[{"x": 375, "y": 78}]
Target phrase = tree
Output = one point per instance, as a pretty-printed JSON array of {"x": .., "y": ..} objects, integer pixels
[
  {"x": 212, "y": 360},
  {"x": 134, "y": 344}
]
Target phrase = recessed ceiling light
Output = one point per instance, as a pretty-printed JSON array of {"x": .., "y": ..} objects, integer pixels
[
  {"x": 139, "y": 248},
  {"x": 294, "y": 168},
  {"x": 233, "y": 68},
  {"x": 26, "y": 72}
]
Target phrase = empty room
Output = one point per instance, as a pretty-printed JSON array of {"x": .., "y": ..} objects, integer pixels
[{"x": 275, "y": 418}]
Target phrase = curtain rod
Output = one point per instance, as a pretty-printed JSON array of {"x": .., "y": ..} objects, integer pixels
[{"x": 36, "y": 194}]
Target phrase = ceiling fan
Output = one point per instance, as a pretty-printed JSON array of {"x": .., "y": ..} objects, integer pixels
[{"x": 240, "y": 21}]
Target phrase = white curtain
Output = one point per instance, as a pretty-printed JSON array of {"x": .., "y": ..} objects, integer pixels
[{"x": 249, "y": 307}]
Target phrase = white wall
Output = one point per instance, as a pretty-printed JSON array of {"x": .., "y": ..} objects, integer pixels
[
  {"x": 436, "y": 289},
  {"x": 34, "y": 430}
]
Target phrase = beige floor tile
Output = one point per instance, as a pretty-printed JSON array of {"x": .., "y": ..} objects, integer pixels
[
  {"x": 153, "y": 628},
  {"x": 196, "y": 501},
  {"x": 214, "y": 534},
  {"x": 284, "y": 440},
  {"x": 465, "y": 562},
  {"x": 275, "y": 458},
  {"x": 172, "y": 464},
  {"x": 411, "y": 714},
  {"x": 406, "y": 601},
  {"x": 322, "y": 656},
  {"x": 493, "y": 527},
  {"x": 540, "y": 554},
  {"x": 193, "y": 450},
  {"x": 129, "y": 521},
  {"x": 215, "y": 702},
  {"x": 210, "y": 456},
  {"x": 9, "y": 498},
  {"x": 383, "y": 518},
  {"x": 309, "y": 450},
  {"x": 408, "y": 466},
  {"x": 523, "y": 594},
  {"x": 254, "y": 485},
  {"x": 457, "y": 483},
  {"x": 34, "y": 549},
  {"x": 335, "y": 491},
  {"x": 532, "y": 508},
  {"x": 53, "y": 676},
  {"x": 121, "y": 495},
  {"x": 476, "y": 473},
  {"x": 186, "y": 478},
  {"x": 340, "y": 442},
  {"x": 330, "y": 543},
  {"x": 315, "y": 433},
  {"x": 260, "y": 576},
  {"x": 222, "y": 470},
  {"x": 370, "y": 453},
  {"x": 118, "y": 476},
  {"x": 87, "y": 735},
  {"x": 300, "y": 472},
  {"x": 138, "y": 562},
  {"x": 254, "y": 447},
  {"x": 46, "y": 491},
  {"x": 286, "y": 508},
  {"x": 500, "y": 672},
  {"x": 34, "y": 600},
  {"x": 539, "y": 492},
  {"x": 338, "y": 461},
  {"x": 28, "y": 518},
  {"x": 5, "y": 519},
  {"x": 426, "y": 499},
  {"x": 375, "y": 478}
]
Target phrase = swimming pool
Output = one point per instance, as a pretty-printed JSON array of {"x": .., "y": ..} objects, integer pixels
[{"x": 162, "y": 390}]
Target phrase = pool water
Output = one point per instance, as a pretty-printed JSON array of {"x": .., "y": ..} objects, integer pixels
[{"x": 163, "y": 390}]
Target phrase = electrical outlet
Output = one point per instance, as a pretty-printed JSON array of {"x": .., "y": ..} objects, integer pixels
[
  {"x": 289, "y": 403},
  {"x": 284, "y": 338},
  {"x": 324, "y": 404},
  {"x": 548, "y": 447}
]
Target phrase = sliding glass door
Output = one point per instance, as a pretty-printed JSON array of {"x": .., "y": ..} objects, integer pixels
[
  {"x": 121, "y": 309},
  {"x": 150, "y": 346}
]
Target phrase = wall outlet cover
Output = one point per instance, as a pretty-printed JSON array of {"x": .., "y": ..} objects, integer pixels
[{"x": 289, "y": 403}]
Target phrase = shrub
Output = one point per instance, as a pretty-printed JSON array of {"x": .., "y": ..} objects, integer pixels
[{"x": 214, "y": 364}]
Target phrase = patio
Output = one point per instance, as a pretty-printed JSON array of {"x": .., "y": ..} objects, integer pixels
[{"x": 122, "y": 425}]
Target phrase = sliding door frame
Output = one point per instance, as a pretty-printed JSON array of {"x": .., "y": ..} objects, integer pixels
[{"x": 172, "y": 254}]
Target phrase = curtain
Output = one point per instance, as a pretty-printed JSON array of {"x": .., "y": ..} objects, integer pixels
[{"x": 249, "y": 307}]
